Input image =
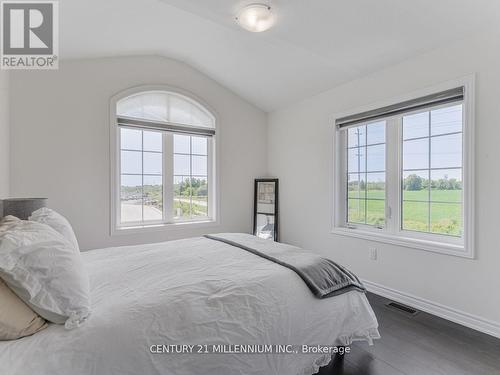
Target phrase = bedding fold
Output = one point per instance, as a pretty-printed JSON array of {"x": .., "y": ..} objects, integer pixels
[{"x": 324, "y": 277}]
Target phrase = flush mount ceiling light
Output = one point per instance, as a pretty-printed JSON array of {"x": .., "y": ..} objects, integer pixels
[{"x": 256, "y": 18}]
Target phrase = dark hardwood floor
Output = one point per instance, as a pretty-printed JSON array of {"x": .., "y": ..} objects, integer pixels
[{"x": 419, "y": 345}]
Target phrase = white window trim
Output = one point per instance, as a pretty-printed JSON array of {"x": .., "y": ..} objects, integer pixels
[
  {"x": 214, "y": 193},
  {"x": 462, "y": 248}
]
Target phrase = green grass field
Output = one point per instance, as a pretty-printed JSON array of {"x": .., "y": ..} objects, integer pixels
[{"x": 445, "y": 218}]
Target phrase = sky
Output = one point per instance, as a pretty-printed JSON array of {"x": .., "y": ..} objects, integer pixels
[
  {"x": 190, "y": 156},
  {"x": 438, "y": 130}
]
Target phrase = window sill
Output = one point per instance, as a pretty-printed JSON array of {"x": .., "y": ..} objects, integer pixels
[
  {"x": 179, "y": 226},
  {"x": 413, "y": 243}
]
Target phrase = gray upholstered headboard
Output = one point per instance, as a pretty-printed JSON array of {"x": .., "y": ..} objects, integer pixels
[{"x": 22, "y": 207}]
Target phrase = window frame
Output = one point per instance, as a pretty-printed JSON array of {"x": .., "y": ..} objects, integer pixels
[
  {"x": 392, "y": 233},
  {"x": 167, "y": 223}
]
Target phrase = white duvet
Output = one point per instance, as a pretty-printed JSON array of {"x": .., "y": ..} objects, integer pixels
[{"x": 192, "y": 292}]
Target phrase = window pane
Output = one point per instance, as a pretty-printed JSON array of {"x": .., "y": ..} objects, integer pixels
[
  {"x": 375, "y": 212},
  {"x": 153, "y": 198},
  {"x": 199, "y": 165},
  {"x": 190, "y": 181},
  {"x": 199, "y": 145},
  {"x": 375, "y": 158},
  {"x": 180, "y": 110},
  {"x": 153, "y": 141},
  {"x": 356, "y": 159},
  {"x": 201, "y": 118},
  {"x": 178, "y": 185},
  {"x": 446, "y": 218},
  {"x": 130, "y": 139},
  {"x": 416, "y": 154},
  {"x": 164, "y": 106},
  {"x": 182, "y": 165},
  {"x": 181, "y": 144},
  {"x": 199, "y": 186},
  {"x": 446, "y": 185},
  {"x": 130, "y": 107},
  {"x": 446, "y": 120},
  {"x": 446, "y": 151},
  {"x": 182, "y": 199},
  {"x": 131, "y": 198},
  {"x": 356, "y": 136},
  {"x": 131, "y": 186},
  {"x": 199, "y": 206},
  {"x": 375, "y": 133},
  {"x": 416, "y": 126},
  {"x": 356, "y": 185},
  {"x": 356, "y": 211},
  {"x": 416, "y": 185},
  {"x": 375, "y": 186},
  {"x": 416, "y": 216},
  {"x": 154, "y": 106},
  {"x": 131, "y": 162},
  {"x": 149, "y": 106},
  {"x": 153, "y": 163}
]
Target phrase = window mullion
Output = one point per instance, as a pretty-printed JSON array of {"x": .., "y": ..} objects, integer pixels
[
  {"x": 393, "y": 177},
  {"x": 190, "y": 177},
  {"x": 118, "y": 178},
  {"x": 211, "y": 181},
  {"x": 340, "y": 167},
  {"x": 168, "y": 177},
  {"x": 142, "y": 176},
  {"x": 366, "y": 174},
  {"x": 429, "y": 218}
]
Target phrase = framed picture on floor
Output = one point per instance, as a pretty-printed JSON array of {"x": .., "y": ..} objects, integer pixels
[{"x": 266, "y": 209}]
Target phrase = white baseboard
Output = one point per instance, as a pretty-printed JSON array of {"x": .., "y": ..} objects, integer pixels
[{"x": 475, "y": 322}]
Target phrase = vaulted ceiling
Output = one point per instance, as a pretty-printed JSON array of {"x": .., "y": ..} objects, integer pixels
[{"x": 314, "y": 46}]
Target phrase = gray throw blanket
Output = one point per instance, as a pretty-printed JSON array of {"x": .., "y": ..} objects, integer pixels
[{"x": 324, "y": 277}]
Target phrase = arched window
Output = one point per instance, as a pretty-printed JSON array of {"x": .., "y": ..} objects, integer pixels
[
  {"x": 165, "y": 160},
  {"x": 166, "y": 107}
]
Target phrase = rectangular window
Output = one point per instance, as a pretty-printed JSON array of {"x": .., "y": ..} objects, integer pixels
[
  {"x": 163, "y": 167},
  {"x": 403, "y": 173}
]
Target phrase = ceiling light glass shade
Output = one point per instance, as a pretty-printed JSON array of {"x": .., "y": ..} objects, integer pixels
[{"x": 256, "y": 18}]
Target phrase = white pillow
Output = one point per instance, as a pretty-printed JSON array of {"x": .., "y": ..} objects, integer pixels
[
  {"x": 57, "y": 222},
  {"x": 43, "y": 269}
]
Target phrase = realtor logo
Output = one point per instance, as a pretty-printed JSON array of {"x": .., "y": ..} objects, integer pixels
[{"x": 29, "y": 37}]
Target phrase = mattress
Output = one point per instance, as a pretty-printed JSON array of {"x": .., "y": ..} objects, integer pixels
[{"x": 194, "y": 306}]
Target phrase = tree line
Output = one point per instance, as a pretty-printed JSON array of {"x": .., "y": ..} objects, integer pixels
[{"x": 412, "y": 182}]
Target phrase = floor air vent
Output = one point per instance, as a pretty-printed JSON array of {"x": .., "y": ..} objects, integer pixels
[{"x": 402, "y": 308}]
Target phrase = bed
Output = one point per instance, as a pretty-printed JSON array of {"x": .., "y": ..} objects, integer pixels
[{"x": 154, "y": 298}]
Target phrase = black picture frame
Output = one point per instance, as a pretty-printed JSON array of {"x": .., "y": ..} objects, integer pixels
[{"x": 266, "y": 208}]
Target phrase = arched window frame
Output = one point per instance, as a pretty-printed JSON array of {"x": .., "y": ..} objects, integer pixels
[{"x": 117, "y": 227}]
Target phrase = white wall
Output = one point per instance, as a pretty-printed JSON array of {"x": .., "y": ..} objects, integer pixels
[
  {"x": 300, "y": 150},
  {"x": 4, "y": 134},
  {"x": 60, "y": 141}
]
